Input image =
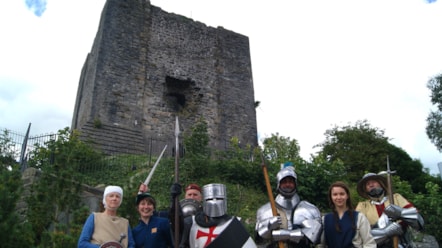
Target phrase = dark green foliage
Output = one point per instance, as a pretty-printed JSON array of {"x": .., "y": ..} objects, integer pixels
[
  {"x": 54, "y": 196},
  {"x": 279, "y": 149},
  {"x": 14, "y": 231},
  {"x": 197, "y": 140},
  {"x": 314, "y": 180},
  {"x": 7, "y": 153},
  {"x": 429, "y": 206},
  {"x": 12, "y": 228},
  {"x": 408, "y": 169},
  {"x": 434, "y": 119},
  {"x": 364, "y": 148},
  {"x": 196, "y": 162},
  {"x": 239, "y": 168},
  {"x": 360, "y": 147}
]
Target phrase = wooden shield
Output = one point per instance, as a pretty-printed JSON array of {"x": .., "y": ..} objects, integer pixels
[{"x": 111, "y": 244}]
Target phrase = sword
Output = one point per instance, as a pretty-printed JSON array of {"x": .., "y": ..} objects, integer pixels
[{"x": 149, "y": 177}]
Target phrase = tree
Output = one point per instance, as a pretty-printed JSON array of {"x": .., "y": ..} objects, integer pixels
[
  {"x": 197, "y": 152},
  {"x": 430, "y": 206},
  {"x": 56, "y": 194},
  {"x": 360, "y": 147},
  {"x": 238, "y": 165},
  {"x": 14, "y": 232},
  {"x": 313, "y": 178},
  {"x": 7, "y": 152},
  {"x": 434, "y": 119},
  {"x": 280, "y": 149},
  {"x": 363, "y": 148},
  {"x": 410, "y": 170}
]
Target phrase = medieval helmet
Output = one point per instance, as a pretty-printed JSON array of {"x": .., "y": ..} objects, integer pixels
[
  {"x": 215, "y": 199},
  {"x": 371, "y": 176},
  {"x": 287, "y": 171}
]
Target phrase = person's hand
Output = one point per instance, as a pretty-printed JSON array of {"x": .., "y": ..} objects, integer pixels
[
  {"x": 393, "y": 211},
  {"x": 143, "y": 188},
  {"x": 175, "y": 190},
  {"x": 275, "y": 222}
]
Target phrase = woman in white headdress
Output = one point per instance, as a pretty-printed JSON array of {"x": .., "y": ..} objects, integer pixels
[{"x": 106, "y": 227}]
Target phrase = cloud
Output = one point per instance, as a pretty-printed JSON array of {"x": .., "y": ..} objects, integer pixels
[
  {"x": 431, "y": 1},
  {"x": 37, "y": 6}
]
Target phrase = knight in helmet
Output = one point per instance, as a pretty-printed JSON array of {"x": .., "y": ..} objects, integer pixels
[
  {"x": 387, "y": 220},
  {"x": 298, "y": 223},
  {"x": 213, "y": 227}
]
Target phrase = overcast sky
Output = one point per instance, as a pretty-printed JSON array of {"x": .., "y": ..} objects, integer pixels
[{"x": 316, "y": 64}]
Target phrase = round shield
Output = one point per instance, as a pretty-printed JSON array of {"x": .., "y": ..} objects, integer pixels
[
  {"x": 190, "y": 206},
  {"x": 111, "y": 244}
]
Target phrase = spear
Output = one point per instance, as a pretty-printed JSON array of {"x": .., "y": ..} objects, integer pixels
[
  {"x": 390, "y": 196},
  {"x": 270, "y": 193},
  {"x": 177, "y": 222}
]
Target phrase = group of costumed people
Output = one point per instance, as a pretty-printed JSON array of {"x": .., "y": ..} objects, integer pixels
[{"x": 286, "y": 221}]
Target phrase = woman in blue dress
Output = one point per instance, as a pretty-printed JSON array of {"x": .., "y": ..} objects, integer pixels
[
  {"x": 344, "y": 227},
  {"x": 151, "y": 231}
]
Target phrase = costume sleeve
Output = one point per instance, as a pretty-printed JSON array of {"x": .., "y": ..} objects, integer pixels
[
  {"x": 86, "y": 234},
  {"x": 401, "y": 201},
  {"x": 130, "y": 241},
  {"x": 364, "y": 229},
  {"x": 359, "y": 207},
  {"x": 167, "y": 233},
  {"x": 188, "y": 221}
]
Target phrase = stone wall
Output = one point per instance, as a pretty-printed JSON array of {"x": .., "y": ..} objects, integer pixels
[
  {"x": 90, "y": 196},
  {"x": 147, "y": 66}
]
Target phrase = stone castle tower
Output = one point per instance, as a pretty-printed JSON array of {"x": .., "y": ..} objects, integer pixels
[{"x": 147, "y": 66}]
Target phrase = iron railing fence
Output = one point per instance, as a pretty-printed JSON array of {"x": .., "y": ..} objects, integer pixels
[
  {"x": 20, "y": 146},
  {"x": 132, "y": 159}
]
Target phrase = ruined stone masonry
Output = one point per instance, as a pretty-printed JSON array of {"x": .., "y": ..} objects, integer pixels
[{"x": 147, "y": 66}]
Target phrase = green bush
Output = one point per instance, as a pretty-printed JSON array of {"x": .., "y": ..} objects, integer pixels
[{"x": 239, "y": 168}]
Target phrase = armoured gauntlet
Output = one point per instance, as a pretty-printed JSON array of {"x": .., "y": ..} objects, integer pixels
[
  {"x": 285, "y": 235},
  {"x": 393, "y": 211},
  {"x": 175, "y": 190},
  {"x": 266, "y": 226},
  {"x": 382, "y": 234},
  {"x": 408, "y": 215},
  {"x": 310, "y": 230}
]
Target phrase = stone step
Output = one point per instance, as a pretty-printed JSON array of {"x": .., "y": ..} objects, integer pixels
[{"x": 112, "y": 139}]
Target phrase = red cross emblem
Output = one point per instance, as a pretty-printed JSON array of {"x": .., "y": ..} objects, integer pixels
[{"x": 209, "y": 235}]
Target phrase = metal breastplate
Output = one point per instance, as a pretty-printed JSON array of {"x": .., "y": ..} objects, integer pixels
[
  {"x": 306, "y": 211},
  {"x": 288, "y": 205}
]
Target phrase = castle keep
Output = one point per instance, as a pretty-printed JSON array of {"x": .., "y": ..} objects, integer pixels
[{"x": 147, "y": 66}]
